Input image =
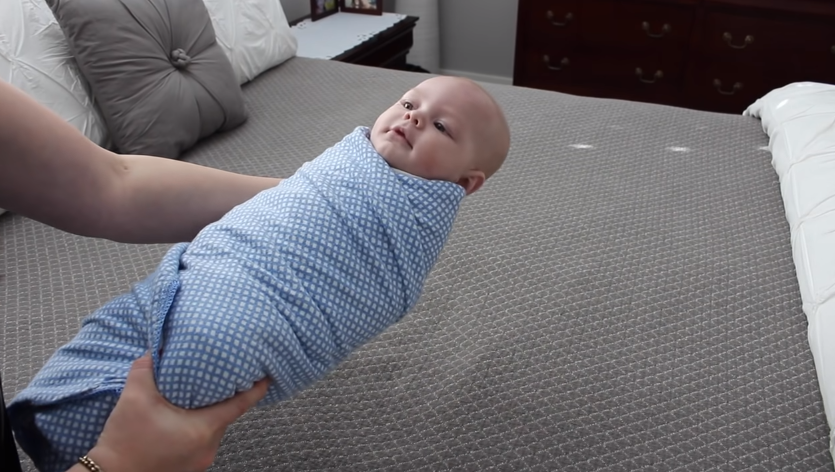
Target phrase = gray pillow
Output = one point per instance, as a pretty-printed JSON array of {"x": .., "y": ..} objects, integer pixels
[{"x": 155, "y": 69}]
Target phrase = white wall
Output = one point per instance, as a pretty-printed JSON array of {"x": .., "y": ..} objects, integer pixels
[
  {"x": 478, "y": 37},
  {"x": 295, "y": 9}
]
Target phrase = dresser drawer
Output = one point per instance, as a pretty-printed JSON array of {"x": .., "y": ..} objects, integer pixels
[
  {"x": 728, "y": 87},
  {"x": 608, "y": 24},
  {"x": 717, "y": 55},
  {"x": 639, "y": 26},
  {"x": 564, "y": 66},
  {"x": 557, "y": 64},
  {"x": 780, "y": 73},
  {"x": 736, "y": 37},
  {"x": 732, "y": 86},
  {"x": 557, "y": 21}
]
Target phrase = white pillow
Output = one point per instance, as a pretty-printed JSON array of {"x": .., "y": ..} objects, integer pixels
[
  {"x": 35, "y": 57},
  {"x": 798, "y": 119},
  {"x": 254, "y": 34}
]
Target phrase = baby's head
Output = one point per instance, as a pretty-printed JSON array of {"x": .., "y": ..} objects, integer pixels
[{"x": 446, "y": 128}]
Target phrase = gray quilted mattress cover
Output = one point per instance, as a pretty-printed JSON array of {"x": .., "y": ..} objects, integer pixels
[{"x": 620, "y": 296}]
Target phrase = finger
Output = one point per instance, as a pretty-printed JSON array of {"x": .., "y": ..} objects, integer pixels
[
  {"x": 141, "y": 375},
  {"x": 229, "y": 410}
]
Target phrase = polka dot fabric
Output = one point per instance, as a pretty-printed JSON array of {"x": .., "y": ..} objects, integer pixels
[{"x": 286, "y": 285}]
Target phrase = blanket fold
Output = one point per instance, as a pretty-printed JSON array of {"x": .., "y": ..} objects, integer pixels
[{"x": 285, "y": 286}]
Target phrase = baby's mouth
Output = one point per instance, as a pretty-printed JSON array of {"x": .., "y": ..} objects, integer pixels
[{"x": 402, "y": 134}]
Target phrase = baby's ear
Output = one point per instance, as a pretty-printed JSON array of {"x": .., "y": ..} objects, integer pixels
[{"x": 472, "y": 180}]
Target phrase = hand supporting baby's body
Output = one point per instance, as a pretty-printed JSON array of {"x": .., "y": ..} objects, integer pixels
[{"x": 285, "y": 286}]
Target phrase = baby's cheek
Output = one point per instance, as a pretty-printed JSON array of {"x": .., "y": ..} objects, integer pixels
[{"x": 429, "y": 164}]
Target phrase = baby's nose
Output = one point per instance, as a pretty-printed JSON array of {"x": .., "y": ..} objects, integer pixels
[{"x": 414, "y": 118}]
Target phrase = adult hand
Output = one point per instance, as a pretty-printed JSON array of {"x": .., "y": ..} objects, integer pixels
[{"x": 147, "y": 433}]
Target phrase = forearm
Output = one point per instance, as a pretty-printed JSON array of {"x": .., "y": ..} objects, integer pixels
[
  {"x": 163, "y": 200},
  {"x": 52, "y": 173}
]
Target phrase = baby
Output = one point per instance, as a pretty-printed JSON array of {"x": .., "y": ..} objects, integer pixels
[{"x": 287, "y": 284}]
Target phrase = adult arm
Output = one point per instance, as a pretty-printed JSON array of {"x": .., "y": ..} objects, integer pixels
[{"x": 52, "y": 173}]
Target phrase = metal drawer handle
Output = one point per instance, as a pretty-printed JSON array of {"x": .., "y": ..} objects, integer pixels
[
  {"x": 568, "y": 17},
  {"x": 656, "y": 77},
  {"x": 832, "y": 49},
  {"x": 718, "y": 85},
  {"x": 729, "y": 39},
  {"x": 665, "y": 29},
  {"x": 563, "y": 63}
]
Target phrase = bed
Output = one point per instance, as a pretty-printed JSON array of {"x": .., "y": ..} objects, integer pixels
[{"x": 622, "y": 295}]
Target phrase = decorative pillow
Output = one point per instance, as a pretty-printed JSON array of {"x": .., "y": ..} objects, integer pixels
[
  {"x": 160, "y": 78},
  {"x": 34, "y": 57},
  {"x": 254, "y": 35}
]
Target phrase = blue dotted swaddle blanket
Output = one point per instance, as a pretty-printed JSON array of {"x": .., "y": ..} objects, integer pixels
[{"x": 285, "y": 285}]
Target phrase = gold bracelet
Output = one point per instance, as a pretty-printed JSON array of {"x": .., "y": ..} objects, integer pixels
[{"x": 87, "y": 462}]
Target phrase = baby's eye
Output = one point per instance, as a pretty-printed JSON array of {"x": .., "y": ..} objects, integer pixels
[
  {"x": 408, "y": 105},
  {"x": 440, "y": 127}
]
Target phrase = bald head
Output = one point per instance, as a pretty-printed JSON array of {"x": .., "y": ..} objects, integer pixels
[
  {"x": 445, "y": 128},
  {"x": 495, "y": 133},
  {"x": 492, "y": 127}
]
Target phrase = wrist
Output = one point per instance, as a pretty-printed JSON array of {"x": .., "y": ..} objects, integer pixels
[
  {"x": 78, "y": 468},
  {"x": 106, "y": 459}
]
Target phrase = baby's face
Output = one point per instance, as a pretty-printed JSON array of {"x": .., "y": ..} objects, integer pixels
[{"x": 433, "y": 132}]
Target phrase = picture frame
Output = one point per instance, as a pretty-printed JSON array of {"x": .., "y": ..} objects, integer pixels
[
  {"x": 366, "y": 7},
  {"x": 323, "y": 8}
]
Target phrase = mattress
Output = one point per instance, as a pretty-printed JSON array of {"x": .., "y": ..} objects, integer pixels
[{"x": 620, "y": 296}]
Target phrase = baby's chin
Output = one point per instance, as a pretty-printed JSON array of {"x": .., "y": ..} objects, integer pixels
[
  {"x": 395, "y": 165},
  {"x": 382, "y": 149}
]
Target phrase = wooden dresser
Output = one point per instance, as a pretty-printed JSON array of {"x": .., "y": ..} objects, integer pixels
[{"x": 716, "y": 55}]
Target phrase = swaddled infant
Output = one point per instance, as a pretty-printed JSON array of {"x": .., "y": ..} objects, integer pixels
[{"x": 287, "y": 284}]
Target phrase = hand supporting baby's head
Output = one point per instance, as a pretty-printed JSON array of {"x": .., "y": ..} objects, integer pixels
[{"x": 446, "y": 128}]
